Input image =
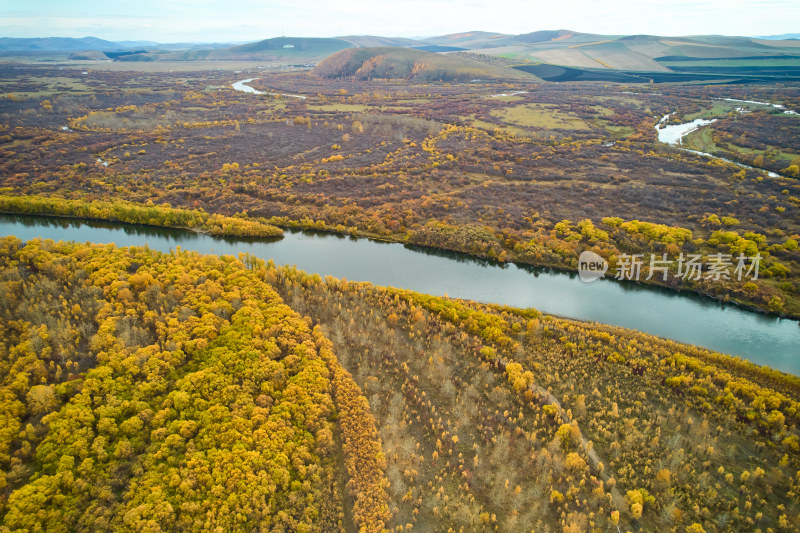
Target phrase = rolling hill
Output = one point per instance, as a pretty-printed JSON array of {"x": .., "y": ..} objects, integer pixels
[
  {"x": 405, "y": 63},
  {"x": 629, "y": 52},
  {"x": 471, "y": 40},
  {"x": 376, "y": 40},
  {"x": 585, "y": 56},
  {"x": 93, "y": 44},
  {"x": 286, "y": 47},
  {"x": 486, "y": 40},
  {"x": 36, "y": 44},
  {"x": 305, "y": 49},
  {"x": 781, "y": 37},
  {"x": 639, "y": 53}
]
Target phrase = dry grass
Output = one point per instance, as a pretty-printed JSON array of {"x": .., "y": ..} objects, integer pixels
[
  {"x": 540, "y": 116},
  {"x": 345, "y": 108}
]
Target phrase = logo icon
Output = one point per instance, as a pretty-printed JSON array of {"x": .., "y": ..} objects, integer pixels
[{"x": 591, "y": 266}]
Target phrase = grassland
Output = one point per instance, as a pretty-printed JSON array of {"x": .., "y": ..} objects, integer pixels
[
  {"x": 341, "y": 108},
  {"x": 540, "y": 116},
  {"x": 701, "y": 140},
  {"x": 717, "y": 110},
  {"x": 42, "y": 86}
]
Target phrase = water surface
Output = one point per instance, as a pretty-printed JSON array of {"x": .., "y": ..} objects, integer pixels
[{"x": 680, "y": 316}]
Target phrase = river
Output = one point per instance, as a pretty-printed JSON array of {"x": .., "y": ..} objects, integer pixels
[
  {"x": 241, "y": 85},
  {"x": 673, "y": 134},
  {"x": 776, "y": 106},
  {"x": 680, "y": 316}
]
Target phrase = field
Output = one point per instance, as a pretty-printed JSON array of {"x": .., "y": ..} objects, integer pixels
[
  {"x": 626, "y": 52},
  {"x": 794, "y": 62}
]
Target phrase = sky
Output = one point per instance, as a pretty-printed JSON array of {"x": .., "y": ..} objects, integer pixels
[{"x": 250, "y": 20}]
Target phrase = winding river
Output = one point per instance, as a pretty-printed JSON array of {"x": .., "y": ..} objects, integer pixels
[
  {"x": 241, "y": 85},
  {"x": 681, "y": 316},
  {"x": 776, "y": 106},
  {"x": 673, "y": 134}
]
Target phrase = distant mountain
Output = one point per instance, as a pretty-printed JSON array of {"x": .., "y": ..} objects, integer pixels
[
  {"x": 439, "y": 48},
  {"x": 138, "y": 44},
  {"x": 407, "y": 64},
  {"x": 482, "y": 40},
  {"x": 563, "y": 47},
  {"x": 289, "y": 49},
  {"x": 289, "y": 45},
  {"x": 35, "y": 44},
  {"x": 93, "y": 44},
  {"x": 469, "y": 40},
  {"x": 646, "y": 53},
  {"x": 91, "y": 55},
  {"x": 375, "y": 40},
  {"x": 151, "y": 45},
  {"x": 781, "y": 37}
]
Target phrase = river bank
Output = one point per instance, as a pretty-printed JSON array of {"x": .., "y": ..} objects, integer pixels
[
  {"x": 683, "y": 317},
  {"x": 230, "y": 227}
]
